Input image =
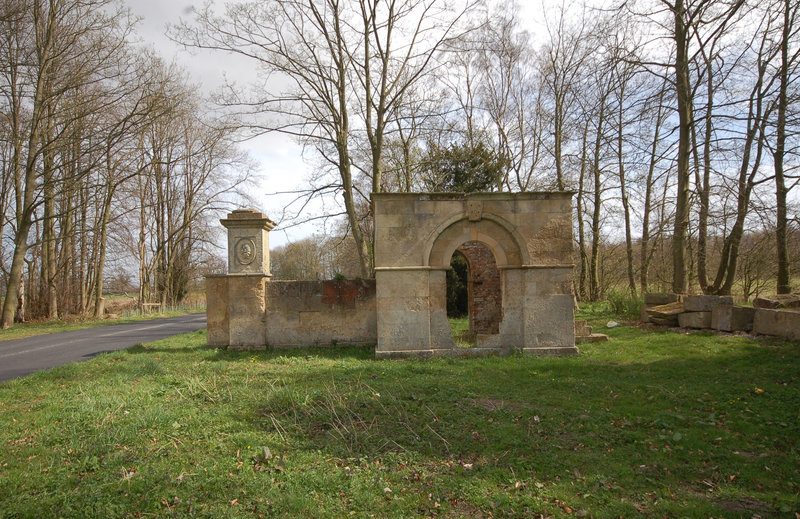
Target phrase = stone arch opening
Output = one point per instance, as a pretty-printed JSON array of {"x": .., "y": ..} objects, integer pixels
[
  {"x": 457, "y": 282},
  {"x": 484, "y": 289},
  {"x": 490, "y": 249},
  {"x": 492, "y": 232}
]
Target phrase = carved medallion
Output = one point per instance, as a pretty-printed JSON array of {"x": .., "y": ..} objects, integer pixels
[
  {"x": 474, "y": 210},
  {"x": 245, "y": 251}
]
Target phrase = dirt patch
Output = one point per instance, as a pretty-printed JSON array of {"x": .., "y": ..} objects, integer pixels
[{"x": 742, "y": 505}]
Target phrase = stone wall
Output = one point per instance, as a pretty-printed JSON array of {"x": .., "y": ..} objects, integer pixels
[
  {"x": 320, "y": 313},
  {"x": 403, "y": 311},
  {"x": 484, "y": 284},
  {"x": 236, "y": 310},
  {"x": 250, "y": 312}
]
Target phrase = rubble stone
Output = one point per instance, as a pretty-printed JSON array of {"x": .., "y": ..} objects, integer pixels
[
  {"x": 695, "y": 320},
  {"x": 782, "y": 323},
  {"x": 730, "y": 318},
  {"x": 705, "y": 303}
]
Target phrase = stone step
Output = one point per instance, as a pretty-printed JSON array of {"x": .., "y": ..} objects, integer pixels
[
  {"x": 582, "y": 327},
  {"x": 595, "y": 337}
]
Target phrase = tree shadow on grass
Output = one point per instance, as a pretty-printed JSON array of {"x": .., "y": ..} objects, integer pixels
[{"x": 617, "y": 431}]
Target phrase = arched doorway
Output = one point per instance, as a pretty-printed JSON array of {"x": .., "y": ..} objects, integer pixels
[
  {"x": 526, "y": 235},
  {"x": 458, "y": 300},
  {"x": 494, "y": 255},
  {"x": 474, "y": 294}
]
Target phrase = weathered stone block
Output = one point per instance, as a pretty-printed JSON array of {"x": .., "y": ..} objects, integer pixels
[
  {"x": 545, "y": 326},
  {"x": 705, "y": 303},
  {"x": 217, "y": 317},
  {"x": 669, "y": 310},
  {"x": 248, "y": 241},
  {"x": 783, "y": 323},
  {"x": 778, "y": 301},
  {"x": 694, "y": 320},
  {"x": 592, "y": 337},
  {"x": 246, "y": 311},
  {"x": 582, "y": 328},
  {"x": 665, "y": 315},
  {"x": 660, "y": 298},
  {"x": 729, "y": 318}
]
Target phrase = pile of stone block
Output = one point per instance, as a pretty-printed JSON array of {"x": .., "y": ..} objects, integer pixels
[
  {"x": 770, "y": 315},
  {"x": 661, "y": 308},
  {"x": 583, "y": 333},
  {"x": 778, "y": 315}
]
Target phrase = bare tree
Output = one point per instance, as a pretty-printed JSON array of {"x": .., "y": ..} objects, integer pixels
[
  {"x": 562, "y": 59},
  {"x": 340, "y": 60},
  {"x": 786, "y": 70},
  {"x": 53, "y": 49}
]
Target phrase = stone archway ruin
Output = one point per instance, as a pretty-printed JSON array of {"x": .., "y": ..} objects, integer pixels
[
  {"x": 403, "y": 311},
  {"x": 530, "y": 235}
]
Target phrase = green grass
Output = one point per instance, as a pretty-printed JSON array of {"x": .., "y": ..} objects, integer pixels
[
  {"x": 459, "y": 327},
  {"x": 652, "y": 424},
  {"x": 32, "y": 328}
]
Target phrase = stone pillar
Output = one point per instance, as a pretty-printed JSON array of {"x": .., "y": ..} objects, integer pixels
[
  {"x": 548, "y": 310},
  {"x": 412, "y": 305},
  {"x": 248, "y": 242},
  {"x": 237, "y": 301}
]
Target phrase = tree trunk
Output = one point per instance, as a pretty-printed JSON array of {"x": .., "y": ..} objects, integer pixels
[
  {"x": 704, "y": 186},
  {"x": 581, "y": 224},
  {"x": 783, "y": 277},
  {"x": 624, "y": 194},
  {"x": 681, "y": 224},
  {"x": 101, "y": 256},
  {"x": 594, "y": 262},
  {"x": 644, "y": 253}
]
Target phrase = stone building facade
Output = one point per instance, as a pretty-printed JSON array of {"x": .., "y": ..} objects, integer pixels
[{"x": 402, "y": 311}]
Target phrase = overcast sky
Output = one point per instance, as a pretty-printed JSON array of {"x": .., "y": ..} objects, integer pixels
[
  {"x": 281, "y": 163},
  {"x": 279, "y": 157}
]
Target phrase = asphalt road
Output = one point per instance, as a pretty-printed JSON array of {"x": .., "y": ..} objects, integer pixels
[{"x": 20, "y": 357}]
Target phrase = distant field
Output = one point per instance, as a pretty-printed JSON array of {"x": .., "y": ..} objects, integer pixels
[
  {"x": 122, "y": 309},
  {"x": 653, "y": 424}
]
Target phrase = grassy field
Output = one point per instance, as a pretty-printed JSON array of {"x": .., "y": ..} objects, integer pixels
[
  {"x": 32, "y": 328},
  {"x": 651, "y": 424}
]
